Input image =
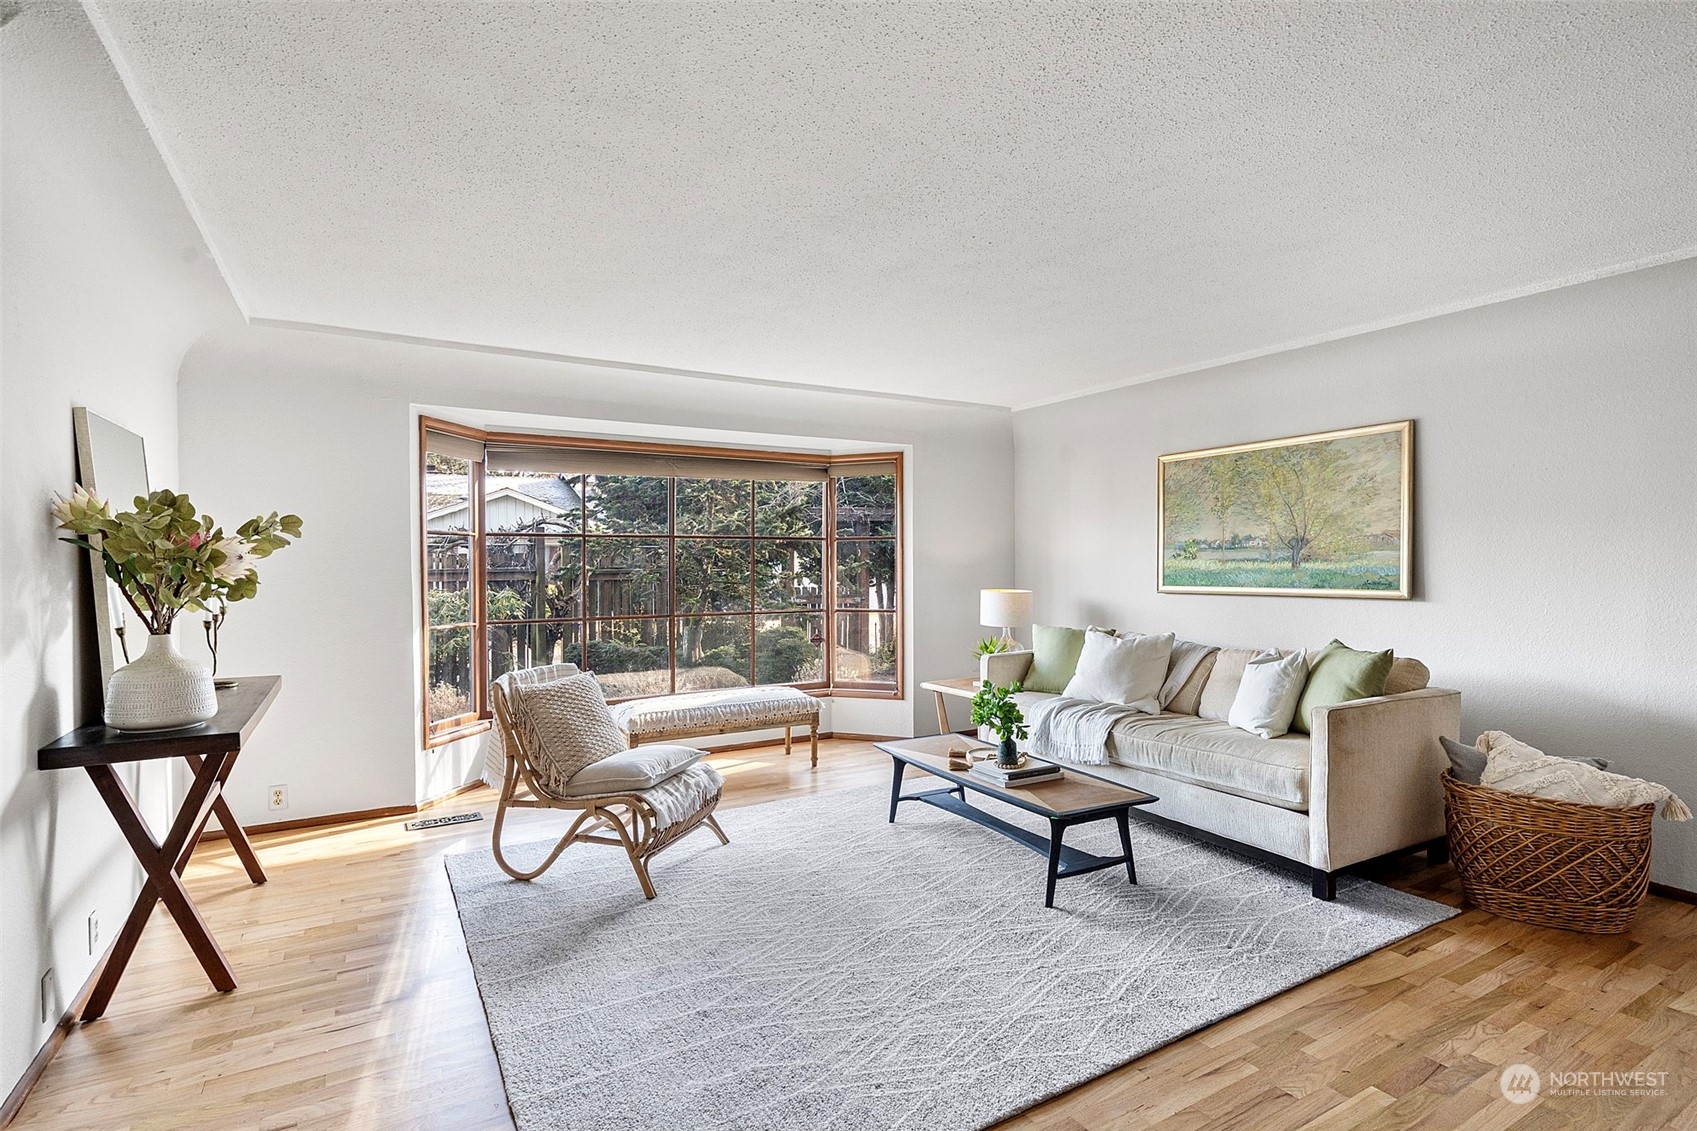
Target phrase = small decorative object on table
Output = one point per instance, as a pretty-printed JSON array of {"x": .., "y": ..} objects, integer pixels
[
  {"x": 995, "y": 708},
  {"x": 165, "y": 559}
]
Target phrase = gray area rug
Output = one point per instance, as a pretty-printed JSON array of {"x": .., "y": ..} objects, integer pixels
[{"x": 828, "y": 970}]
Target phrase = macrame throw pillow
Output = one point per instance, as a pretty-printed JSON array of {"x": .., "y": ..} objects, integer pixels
[
  {"x": 566, "y": 726},
  {"x": 1514, "y": 767}
]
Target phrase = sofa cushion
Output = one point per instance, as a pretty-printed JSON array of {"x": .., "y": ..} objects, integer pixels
[
  {"x": 1187, "y": 656},
  {"x": 1214, "y": 754},
  {"x": 1054, "y": 657},
  {"x": 1189, "y": 696},
  {"x": 1341, "y": 674},
  {"x": 1407, "y": 674},
  {"x": 1227, "y": 673}
]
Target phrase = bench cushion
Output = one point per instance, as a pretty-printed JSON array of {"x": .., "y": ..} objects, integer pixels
[{"x": 708, "y": 712}]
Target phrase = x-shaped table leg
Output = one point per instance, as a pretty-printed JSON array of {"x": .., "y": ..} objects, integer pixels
[
  {"x": 163, "y": 863},
  {"x": 227, "y": 821}
]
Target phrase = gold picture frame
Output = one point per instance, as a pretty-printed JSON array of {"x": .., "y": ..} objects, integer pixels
[{"x": 1299, "y": 516}]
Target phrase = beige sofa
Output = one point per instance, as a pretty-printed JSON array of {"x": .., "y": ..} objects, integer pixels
[{"x": 1362, "y": 784}]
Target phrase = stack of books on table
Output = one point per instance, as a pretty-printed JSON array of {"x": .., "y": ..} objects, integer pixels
[{"x": 1029, "y": 774}]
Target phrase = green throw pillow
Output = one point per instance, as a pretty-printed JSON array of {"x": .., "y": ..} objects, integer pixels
[
  {"x": 1054, "y": 657},
  {"x": 1340, "y": 674}
]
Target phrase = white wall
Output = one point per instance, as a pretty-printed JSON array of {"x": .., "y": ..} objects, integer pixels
[
  {"x": 324, "y": 425},
  {"x": 104, "y": 283},
  {"x": 1555, "y": 526}
]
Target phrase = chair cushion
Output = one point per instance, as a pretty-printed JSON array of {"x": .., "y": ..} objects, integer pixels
[
  {"x": 706, "y": 712},
  {"x": 682, "y": 795},
  {"x": 1217, "y": 755},
  {"x": 633, "y": 770},
  {"x": 565, "y": 726}
]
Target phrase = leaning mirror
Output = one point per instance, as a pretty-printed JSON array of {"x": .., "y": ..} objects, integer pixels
[{"x": 111, "y": 465}]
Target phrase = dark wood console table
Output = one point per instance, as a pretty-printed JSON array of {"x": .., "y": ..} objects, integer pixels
[{"x": 210, "y": 750}]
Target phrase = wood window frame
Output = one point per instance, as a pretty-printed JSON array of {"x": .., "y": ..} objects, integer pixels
[{"x": 478, "y": 719}]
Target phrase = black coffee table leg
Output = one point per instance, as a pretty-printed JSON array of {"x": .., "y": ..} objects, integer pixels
[
  {"x": 896, "y": 787},
  {"x": 1125, "y": 845},
  {"x": 1056, "y": 829}
]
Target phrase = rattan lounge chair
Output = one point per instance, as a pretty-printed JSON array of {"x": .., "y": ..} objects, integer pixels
[{"x": 634, "y": 821}]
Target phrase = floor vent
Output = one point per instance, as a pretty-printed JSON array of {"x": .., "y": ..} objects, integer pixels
[{"x": 438, "y": 822}]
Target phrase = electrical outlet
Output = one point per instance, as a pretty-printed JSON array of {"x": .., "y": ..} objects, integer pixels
[
  {"x": 94, "y": 932},
  {"x": 279, "y": 797},
  {"x": 47, "y": 996}
]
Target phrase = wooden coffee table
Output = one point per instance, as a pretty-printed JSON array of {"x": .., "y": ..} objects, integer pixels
[{"x": 1076, "y": 799}]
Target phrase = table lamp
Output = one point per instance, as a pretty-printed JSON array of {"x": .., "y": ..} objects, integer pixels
[{"x": 1006, "y": 609}]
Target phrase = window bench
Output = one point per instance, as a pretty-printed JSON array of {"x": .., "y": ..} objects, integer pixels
[{"x": 665, "y": 718}]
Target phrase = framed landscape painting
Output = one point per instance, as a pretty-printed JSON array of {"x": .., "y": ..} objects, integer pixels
[{"x": 1325, "y": 515}]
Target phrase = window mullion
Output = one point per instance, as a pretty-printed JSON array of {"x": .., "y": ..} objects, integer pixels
[
  {"x": 828, "y": 578},
  {"x": 479, "y": 635},
  {"x": 672, "y": 626}
]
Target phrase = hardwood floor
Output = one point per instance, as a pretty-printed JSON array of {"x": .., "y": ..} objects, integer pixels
[{"x": 357, "y": 1007}]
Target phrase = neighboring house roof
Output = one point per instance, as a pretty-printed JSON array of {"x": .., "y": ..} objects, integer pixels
[{"x": 553, "y": 494}]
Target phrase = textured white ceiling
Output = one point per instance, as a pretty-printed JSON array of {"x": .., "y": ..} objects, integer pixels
[{"x": 1002, "y": 203}]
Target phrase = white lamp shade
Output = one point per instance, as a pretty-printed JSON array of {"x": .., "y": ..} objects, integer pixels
[{"x": 1004, "y": 608}]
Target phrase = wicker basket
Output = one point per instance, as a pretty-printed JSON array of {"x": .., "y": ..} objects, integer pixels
[{"x": 1549, "y": 863}]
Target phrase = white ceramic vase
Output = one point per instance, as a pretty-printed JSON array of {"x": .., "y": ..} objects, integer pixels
[{"x": 161, "y": 690}]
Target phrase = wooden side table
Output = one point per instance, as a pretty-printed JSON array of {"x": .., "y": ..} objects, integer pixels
[
  {"x": 944, "y": 690},
  {"x": 210, "y": 750}
]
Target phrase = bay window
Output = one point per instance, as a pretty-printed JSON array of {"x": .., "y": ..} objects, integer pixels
[{"x": 660, "y": 568}]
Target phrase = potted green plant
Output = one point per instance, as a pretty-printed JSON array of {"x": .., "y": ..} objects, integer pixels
[
  {"x": 995, "y": 708},
  {"x": 167, "y": 559}
]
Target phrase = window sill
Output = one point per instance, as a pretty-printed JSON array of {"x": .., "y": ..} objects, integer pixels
[{"x": 454, "y": 733}]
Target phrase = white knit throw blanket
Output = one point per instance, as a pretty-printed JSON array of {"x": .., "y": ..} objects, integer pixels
[
  {"x": 1514, "y": 767},
  {"x": 1076, "y": 730}
]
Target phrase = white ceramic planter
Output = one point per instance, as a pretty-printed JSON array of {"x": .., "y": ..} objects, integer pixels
[{"x": 161, "y": 690}]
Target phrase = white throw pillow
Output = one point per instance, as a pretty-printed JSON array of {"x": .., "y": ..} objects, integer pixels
[
  {"x": 1125, "y": 669},
  {"x": 633, "y": 770},
  {"x": 1267, "y": 696}
]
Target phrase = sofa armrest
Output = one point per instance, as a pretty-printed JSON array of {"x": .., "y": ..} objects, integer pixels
[
  {"x": 1003, "y": 668},
  {"x": 1373, "y": 775}
]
